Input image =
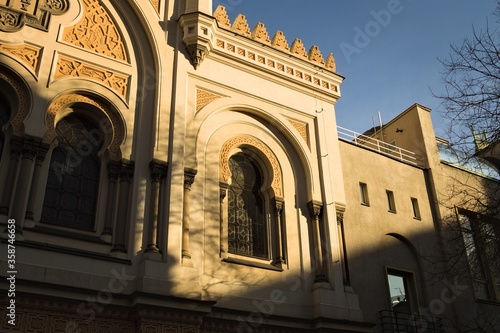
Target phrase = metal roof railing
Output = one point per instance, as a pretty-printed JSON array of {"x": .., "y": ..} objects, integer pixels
[{"x": 373, "y": 144}]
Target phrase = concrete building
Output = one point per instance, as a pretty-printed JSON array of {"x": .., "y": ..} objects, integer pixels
[{"x": 167, "y": 170}]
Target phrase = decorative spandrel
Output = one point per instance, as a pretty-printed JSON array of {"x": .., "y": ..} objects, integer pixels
[{"x": 14, "y": 14}]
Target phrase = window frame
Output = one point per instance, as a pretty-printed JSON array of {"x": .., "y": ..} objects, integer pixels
[
  {"x": 363, "y": 191},
  {"x": 415, "y": 208},
  {"x": 391, "y": 203}
]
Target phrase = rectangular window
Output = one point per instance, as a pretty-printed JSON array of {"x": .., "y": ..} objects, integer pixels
[
  {"x": 402, "y": 291},
  {"x": 363, "y": 191},
  {"x": 416, "y": 209},
  {"x": 391, "y": 205}
]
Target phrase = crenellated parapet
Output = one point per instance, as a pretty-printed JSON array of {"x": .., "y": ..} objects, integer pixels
[{"x": 260, "y": 34}]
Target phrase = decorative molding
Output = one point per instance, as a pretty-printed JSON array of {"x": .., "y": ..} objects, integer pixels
[
  {"x": 302, "y": 128},
  {"x": 26, "y": 54},
  {"x": 204, "y": 97},
  {"x": 238, "y": 141},
  {"x": 304, "y": 75},
  {"x": 65, "y": 101},
  {"x": 24, "y": 102},
  {"x": 97, "y": 32},
  {"x": 36, "y": 14},
  {"x": 71, "y": 67},
  {"x": 240, "y": 26}
]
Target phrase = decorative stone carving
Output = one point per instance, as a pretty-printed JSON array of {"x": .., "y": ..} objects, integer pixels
[
  {"x": 97, "y": 32},
  {"x": 279, "y": 41},
  {"x": 302, "y": 128},
  {"x": 260, "y": 34},
  {"x": 298, "y": 48},
  {"x": 204, "y": 97},
  {"x": 222, "y": 18},
  {"x": 26, "y": 54},
  {"x": 24, "y": 103},
  {"x": 189, "y": 175},
  {"x": 156, "y": 5},
  {"x": 330, "y": 63},
  {"x": 240, "y": 26},
  {"x": 225, "y": 171},
  {"x": 315, "y": 55},
  {"x": 15, "y": 14},
  {"x": 66, "y": 101},
  {"x": 70, "y": 67}
]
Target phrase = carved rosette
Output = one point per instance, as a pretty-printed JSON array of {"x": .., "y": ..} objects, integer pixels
[
  {"x": 36, "y": 14},
  {"x": 225, "y": 171}
]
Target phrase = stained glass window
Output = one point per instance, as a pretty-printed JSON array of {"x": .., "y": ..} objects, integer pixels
[
  {"x": 73, "y": 179},
  {"x": 247, "y": 230}
]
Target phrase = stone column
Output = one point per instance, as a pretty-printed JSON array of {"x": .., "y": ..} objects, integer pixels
[
  {"x": 315, "y": 211},
  {"x": 279, "y": 259},
  {"x": 16, "y": 145},
  {"x": 126, "y": 174},
  {"x": 189, "y": 175},
  {"x": 113, "y": 173},
  {"x": 343, "y": 250},
  {"x": 18, "y": 209},
  {"x": 223, "y": 219},
  {"x": 40, "y": 157},
  {"x": 158, "y": 171}
]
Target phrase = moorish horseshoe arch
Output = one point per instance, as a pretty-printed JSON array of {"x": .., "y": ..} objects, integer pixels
[
  {"x": 229, "y": 145},
  {"x": 58, "y": 106},
  {"x": 23, "y": 99}
]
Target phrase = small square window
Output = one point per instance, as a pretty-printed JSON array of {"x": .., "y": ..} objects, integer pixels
[
  {"x": 391, "y": 205},
  {"x": 363, "y": 191},
  {"x": 416, "y": 209}
]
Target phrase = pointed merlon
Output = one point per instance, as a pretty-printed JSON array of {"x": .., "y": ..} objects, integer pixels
[
  {"x": 330, "y": 63},
  {"x": 240, "y": 26},
  {"x": 315, "y": 55},
  {"x": 260, "y": 34},
  {"x": 298, "y": 48},
  {"x": 222, "y": 18},
  {"x": 279, "y": 41}
]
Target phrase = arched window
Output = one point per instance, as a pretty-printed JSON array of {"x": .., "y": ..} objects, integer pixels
[
  {"x": 73, "y": 179},
  {"x": 247, "y": 226},
  {"x": 4, "y": 119}
]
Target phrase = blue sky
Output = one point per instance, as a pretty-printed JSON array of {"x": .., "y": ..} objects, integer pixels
[{"x": 394, "y": 65}]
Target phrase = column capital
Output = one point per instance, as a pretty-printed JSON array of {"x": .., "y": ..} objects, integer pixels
[
  {"x": 189, "y": 175},
  {"x": 114, "y": 169},
  {"x": 127, "y": 170},
  {"x": 223, "y": 190},
  {"x": 315, "y": 207},
  {"x": 30, "y": 147},
  {"x": 158, "y": 169},
  {"x": 278, "y": 204},
  {"x": 16, "y": 146}
]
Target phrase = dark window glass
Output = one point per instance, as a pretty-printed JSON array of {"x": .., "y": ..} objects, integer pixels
[
  {"x": 73, "y": 179},
  {"x": 247, "y": 231}
]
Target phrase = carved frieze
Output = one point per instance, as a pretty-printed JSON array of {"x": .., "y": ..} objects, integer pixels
[
  {"x": 69, "y": 67},
  {"x": 97, "y": 32},
  {"x": 15, "y": 14},
  {"x": 26, "y": 54}
]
